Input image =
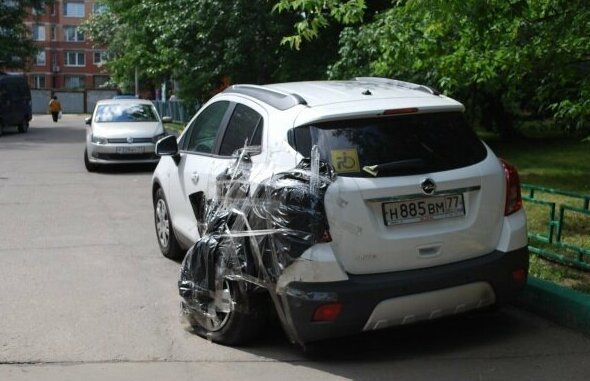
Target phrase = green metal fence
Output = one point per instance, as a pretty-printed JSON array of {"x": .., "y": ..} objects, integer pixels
[{"x": 565, "y": 235}]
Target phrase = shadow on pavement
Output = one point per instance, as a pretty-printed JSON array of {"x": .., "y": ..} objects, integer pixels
[
  {"x": 123, "y": 169},
  {"x": 472, "y": 333}
]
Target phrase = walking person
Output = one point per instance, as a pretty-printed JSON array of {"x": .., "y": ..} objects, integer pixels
[{"x": 54, "y": 108}]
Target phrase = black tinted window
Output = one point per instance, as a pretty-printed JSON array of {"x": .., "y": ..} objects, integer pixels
[
  {"x": 400, "y": 145},
  {"x": 203, "y": 131},
  {"x": 244, "y": 128}
]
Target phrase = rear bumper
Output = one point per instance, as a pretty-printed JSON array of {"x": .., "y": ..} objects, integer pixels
[{"x": 363, "y": 297}]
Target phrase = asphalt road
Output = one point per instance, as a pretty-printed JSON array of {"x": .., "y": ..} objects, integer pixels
[{"x": 85, "y": 294}]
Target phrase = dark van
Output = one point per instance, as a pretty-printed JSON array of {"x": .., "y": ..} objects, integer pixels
[{"x": 15, "y": 102}]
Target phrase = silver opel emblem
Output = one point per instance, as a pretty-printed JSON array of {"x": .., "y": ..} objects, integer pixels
[
  {"x": 428, "y": 186},
  {"x": 130, "y": 140}
]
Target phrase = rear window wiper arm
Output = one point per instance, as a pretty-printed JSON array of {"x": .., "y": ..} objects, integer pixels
[{"x": 393, "y": 165}]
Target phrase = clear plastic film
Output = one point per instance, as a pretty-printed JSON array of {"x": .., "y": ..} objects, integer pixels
[{"x": 251, "y": 231}]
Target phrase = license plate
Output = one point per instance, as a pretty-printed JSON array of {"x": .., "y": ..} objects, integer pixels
[
  {"x": 423, "y": 209},
  {"x": 130, "y": 149}
]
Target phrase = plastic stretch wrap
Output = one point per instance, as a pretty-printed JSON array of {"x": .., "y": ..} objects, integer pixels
[{"x": 252, "y": 232}]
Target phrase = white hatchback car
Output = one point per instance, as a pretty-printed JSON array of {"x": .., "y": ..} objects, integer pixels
[
  {"x": 347, "y": 206},
  {"x": 122, "y": 131}
]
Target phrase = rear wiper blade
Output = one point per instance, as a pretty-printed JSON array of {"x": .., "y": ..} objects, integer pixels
[{"x": 393, "y": 165}]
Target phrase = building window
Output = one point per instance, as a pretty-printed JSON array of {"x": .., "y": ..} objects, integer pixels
[
  {"x": 74, "y": 81},
  {"x": 39, "y": 32},
  {"x": 40, "y": 58},
  {"x": 73, "y": 9},
  {"x": 100, "y": 81},
  {"x": 100, "y": 57},
  {"x": 72, "y": 33},
  {"x": 74, "y": 59},
  {"x": 38, "y": 81},
  {"x": 99, "y": 8}
]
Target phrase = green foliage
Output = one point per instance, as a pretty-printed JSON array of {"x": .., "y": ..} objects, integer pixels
[
  {"x": 200, "y": 43},
  {"x": 315, "y": 15},
  {"x": 504, "y": 58},
  {"x": 130, "y": 41},
  {"x": 16, "y": 46}
]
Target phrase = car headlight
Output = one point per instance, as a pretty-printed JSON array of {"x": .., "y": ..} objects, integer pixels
[
  {"x": 158, "y": 137},
  {"x": 98, "y": 140}
]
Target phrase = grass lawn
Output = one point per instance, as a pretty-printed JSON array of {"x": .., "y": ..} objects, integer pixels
[
  {"x": 558, "y": 163},
  {"x": 554, "y": 163}
]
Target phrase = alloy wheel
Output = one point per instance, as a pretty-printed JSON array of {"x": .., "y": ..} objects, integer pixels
[
  {"x": 220, "y": 308},
  {"x": 162, "y": 223}
]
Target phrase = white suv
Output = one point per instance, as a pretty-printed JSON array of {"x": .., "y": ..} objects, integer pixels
[{"x": 344, "y": 206}]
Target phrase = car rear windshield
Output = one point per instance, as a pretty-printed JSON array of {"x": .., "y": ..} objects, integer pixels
[
  {"x": 392, "y": 146},
  {"x": 112, "y": 113}
]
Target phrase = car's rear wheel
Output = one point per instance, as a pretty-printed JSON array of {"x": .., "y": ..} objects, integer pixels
[
  {"x": 164, "y": 230},
  {"x": 234, "y": 317},
  {"x": 23, "y": 127},
  {"x": 90, "y": 167}
]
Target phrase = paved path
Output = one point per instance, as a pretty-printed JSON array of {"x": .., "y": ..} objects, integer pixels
[{"x": 86, "y": 295}]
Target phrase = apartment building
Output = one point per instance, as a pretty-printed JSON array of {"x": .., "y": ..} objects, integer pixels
[{"x": 65, "y": 60}]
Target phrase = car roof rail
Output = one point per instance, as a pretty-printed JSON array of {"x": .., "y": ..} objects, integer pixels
[
  {"x": 398, "y": 83},
  {"x": 275, "y": 98}
]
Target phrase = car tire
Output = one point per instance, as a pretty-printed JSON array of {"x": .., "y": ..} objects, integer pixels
[
  {"x": 90, "y": 167},
  {"x": 23, "y": 127},
  {"x": 237, "y": 320},
  {"x": 167, "y": 241}
]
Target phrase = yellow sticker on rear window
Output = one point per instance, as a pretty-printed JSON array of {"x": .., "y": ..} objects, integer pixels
[{"x": 345, "y": 160}]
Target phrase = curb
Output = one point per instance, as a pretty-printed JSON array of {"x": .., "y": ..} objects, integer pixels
[{"x": 562, "y": 305}]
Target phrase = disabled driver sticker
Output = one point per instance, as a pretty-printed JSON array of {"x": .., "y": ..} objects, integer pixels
[{"x": 345, "y": 160}]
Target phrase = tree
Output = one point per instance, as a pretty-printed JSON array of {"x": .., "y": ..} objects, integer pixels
[
  {"x": 505, "y": 58},
  {"x": 315, "y": 15},
  {"x": 16, "y": 46},
  {"x": 199, "y": 43},
  {"x": 122, "y": 28}
]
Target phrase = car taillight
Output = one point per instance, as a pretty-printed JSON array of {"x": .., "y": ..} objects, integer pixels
[
  {"x": 519, "y": 276},
  {"x": 513, "y": 197},
  {"x": 327, "y": 312}
]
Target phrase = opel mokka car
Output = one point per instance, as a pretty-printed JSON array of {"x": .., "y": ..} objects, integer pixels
[{"x": 337, "y": 207}]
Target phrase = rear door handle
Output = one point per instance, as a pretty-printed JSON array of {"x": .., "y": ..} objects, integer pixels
[{"x": 195, "y": 177}]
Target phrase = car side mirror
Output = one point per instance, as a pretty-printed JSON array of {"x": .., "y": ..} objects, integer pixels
[
  {"x": 88, "y": 120},
  {"x": 247, "y": 152},
  {"x": 167, "y": 119},
  {"x": 167, "y": 146}
]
